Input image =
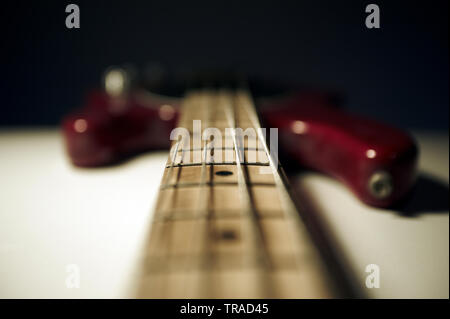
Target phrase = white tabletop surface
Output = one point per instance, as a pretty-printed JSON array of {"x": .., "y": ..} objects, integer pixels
[{"x": 53, "y": 215}]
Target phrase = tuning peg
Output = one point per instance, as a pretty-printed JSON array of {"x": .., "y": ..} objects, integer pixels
[{"x": 118, "y": 81}]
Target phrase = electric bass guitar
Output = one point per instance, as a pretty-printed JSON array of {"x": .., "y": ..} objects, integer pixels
[{"x": 226, "y": 224}]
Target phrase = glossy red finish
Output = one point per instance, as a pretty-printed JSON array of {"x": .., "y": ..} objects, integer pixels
[
  {"x": 109, "y": 128},
  {"x": 312, "y": 131},
  {"x": 348, "y": 147}
]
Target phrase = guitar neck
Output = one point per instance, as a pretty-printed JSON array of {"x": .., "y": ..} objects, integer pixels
[{"x": 224, "y": 224}]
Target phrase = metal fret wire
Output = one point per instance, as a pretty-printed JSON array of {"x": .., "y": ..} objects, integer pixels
[
  {"x": 192, "y": 184},
  {"x": 216, "y": 164}
]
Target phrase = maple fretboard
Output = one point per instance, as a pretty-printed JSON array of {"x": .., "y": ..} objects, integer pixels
[{"x": 224, "y": 225}]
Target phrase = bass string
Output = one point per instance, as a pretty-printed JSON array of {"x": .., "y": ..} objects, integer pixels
[
  {"x": 202, "y": 212},
  {"x": 296, "y": 227},
  {"x": 186, "y": 104},
  {"x": 250, "y": 225},
  {"x": 167, "y": 231}
]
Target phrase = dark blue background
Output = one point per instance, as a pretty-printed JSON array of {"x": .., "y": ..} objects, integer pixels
[{"x": 399, "y": 73}]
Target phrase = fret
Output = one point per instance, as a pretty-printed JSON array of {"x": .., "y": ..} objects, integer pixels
[
  {"x": 222, "y": 125},
  {"x": 211, "y": 184},
  {"x": 226, "y": 143},
  {"x": 221, "y": 260},
  {"x": 228, "y": 251},
  {"x": 184, "y": 214},
  {"x": 194, "y": 157},
  {"x": 181, "y": 165},
  {"x": 218, "y": 173},
  {"x": 221, "y": 197},
  {"x": 181, "y": 149}
]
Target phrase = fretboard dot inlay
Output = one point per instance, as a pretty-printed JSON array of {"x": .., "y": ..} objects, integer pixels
[
  {"x": 224, "y": 173},
  {"x": 228, "y": 235}
]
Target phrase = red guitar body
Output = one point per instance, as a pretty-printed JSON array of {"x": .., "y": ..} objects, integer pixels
[
  {"x": 110, "y": 128},
  {"x": 376, "y": 161}
]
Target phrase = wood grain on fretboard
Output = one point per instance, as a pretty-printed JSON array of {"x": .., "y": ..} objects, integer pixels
[{"x": 224, "y": 229}]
